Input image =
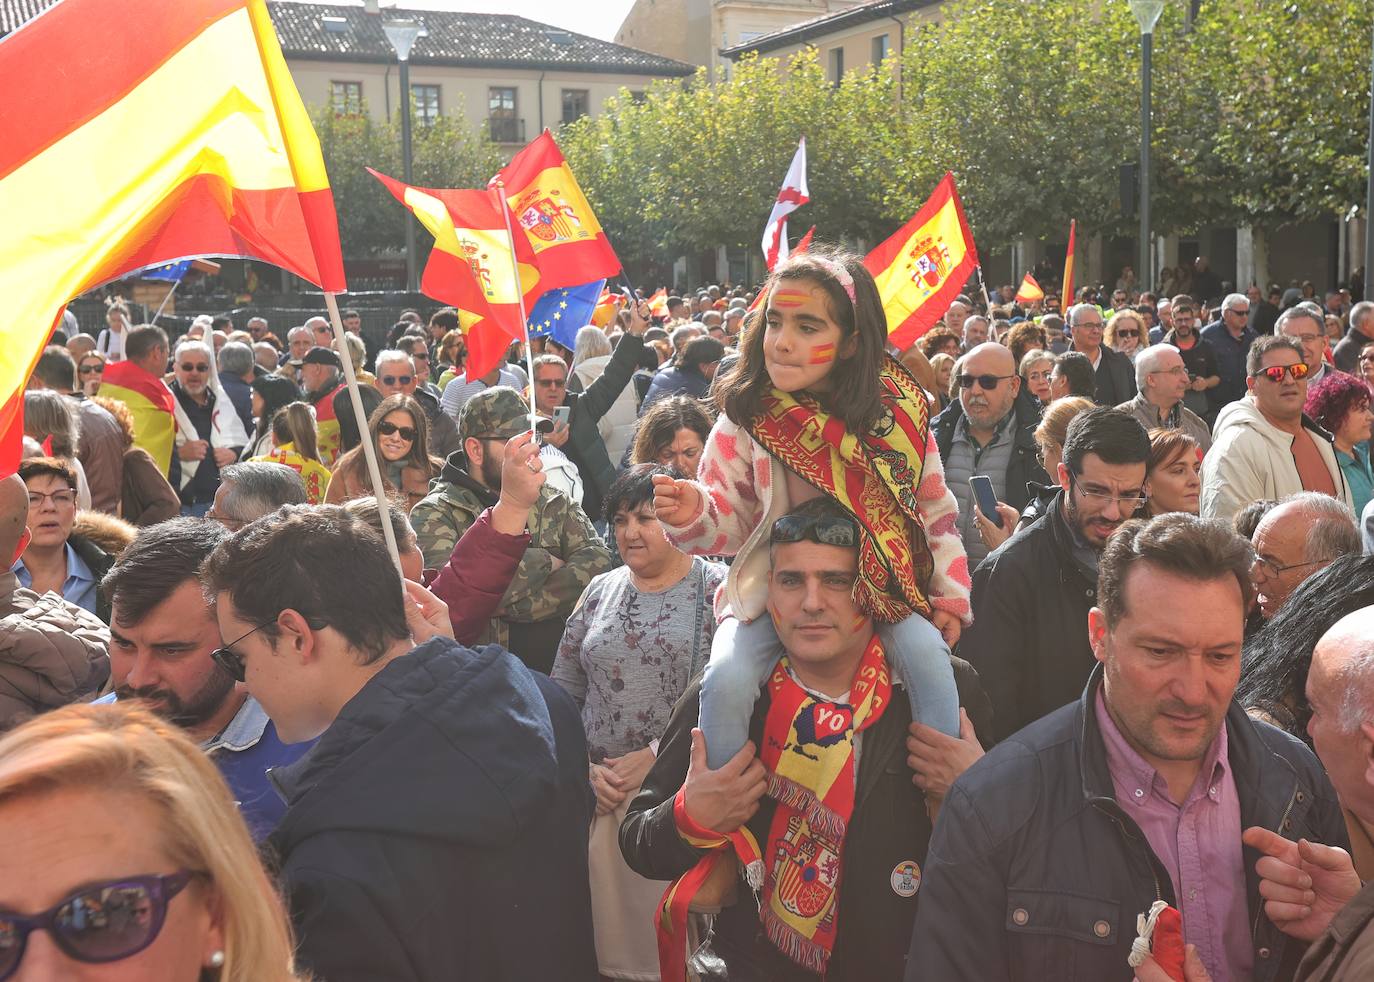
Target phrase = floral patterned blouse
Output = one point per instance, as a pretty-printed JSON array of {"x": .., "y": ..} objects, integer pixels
[{"x": 627, "y": 655}]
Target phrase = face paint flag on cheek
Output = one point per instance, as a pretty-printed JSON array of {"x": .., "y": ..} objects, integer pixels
[{"x": 823, "y": 354}]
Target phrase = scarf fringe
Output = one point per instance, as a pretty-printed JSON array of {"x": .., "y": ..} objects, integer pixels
[
  {"x": 799, "y": 949},
  {"x": 790, "y": 794}
]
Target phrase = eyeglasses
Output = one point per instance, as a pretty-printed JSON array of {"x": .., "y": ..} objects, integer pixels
[
  {"x": 1127, "y": 502},
  {"x": 842, "y": 532},
  {"x": 388, "y": 428},
  {"x": 1267, "y": 566},
  {"x": 63, "y": 498},
  {"x": 1087, "y": 326},
  {"x": 1275, "y": 373},
  {"x": 104, "y": 922},
  {"x": 397, "y": 379},
  {"x": 1037, "y": 376},
  {"x": 1176, "y": 370},
  {"x": 186, "y": 366},
  {"x": 92, "y": 369},
  {"x": 552, "y": 383},
  {"x": 1307, "y": 338},
  {"x": 986, "y": 382},
  {"x": 230, "y": 660},
  {"x": 1239, "y": 311}
]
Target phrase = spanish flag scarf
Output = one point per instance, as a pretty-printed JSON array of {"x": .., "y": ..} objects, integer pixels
[
  {"x": 873, "y": 475},
  {"x": 808, "y": 748}
]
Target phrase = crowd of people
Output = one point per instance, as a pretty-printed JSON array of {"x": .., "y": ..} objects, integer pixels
[{"x": 728, "y": 643}]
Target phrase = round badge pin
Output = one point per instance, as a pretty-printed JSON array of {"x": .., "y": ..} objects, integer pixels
[{"x": 906, "y": 878}]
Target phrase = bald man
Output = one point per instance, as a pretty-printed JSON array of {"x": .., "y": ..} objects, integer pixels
[
  {"x": 988, "y": 431},
  {"x": 1314, "y": 890},
  {"x": 51, "y": 652}
]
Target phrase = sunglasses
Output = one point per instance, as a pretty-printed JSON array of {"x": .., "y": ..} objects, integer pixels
[
  {"x": 92, "y": 369},
  {"x": 388, "y": 428},
  {"x": 1128, "y": 334},
  {"x": 186, "y": 366},
  {"x": 1277, "y": 372},
  {"x": 397, "y": 379},
  {"x": 104, "y": 922},
  {"x": 987, "y": 382},
  {"x": 552, "y": 383},
  {"x": 842, "y": 532},
  {"x": 230, "y": 660}
]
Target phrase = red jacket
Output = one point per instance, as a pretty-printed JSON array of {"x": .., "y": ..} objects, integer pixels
[{"x": 476, "y": 576}]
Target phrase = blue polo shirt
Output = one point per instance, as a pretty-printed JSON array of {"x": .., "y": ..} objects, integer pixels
[{"x": 79, "y": 587}]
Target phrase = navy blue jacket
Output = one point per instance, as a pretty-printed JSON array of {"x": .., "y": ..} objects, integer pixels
[
  {"x": 438, "y": 830},
  {"x": 673, "y": 381}
]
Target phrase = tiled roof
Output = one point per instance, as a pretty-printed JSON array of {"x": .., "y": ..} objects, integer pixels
[
  {"x": 815, "y": 27},
  {"x": 453, "y": 38},
  {"x": 459, "y": 38}
]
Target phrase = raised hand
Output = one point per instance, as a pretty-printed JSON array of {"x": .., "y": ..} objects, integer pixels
[
  {"x": 1304, "y": 884},
  {"x": 677, "y": 502}
]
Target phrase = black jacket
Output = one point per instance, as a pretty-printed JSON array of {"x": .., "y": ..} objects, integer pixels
[
  {"x": 1035, "y": 872},
  {"x": 889, "y": 825},
  {"x": 1115, "y": 378},
  {"x": 99, "y": 562},
  {"x": 1029, "y": 639},
  {"x": 443, "y": 434},
  {"x": 438, "y": 830},
  {"x": 585, "y": 447},
  {"x": 1024, "y": 466}
]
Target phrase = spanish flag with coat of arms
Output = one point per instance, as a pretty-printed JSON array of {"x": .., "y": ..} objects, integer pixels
[{"x": 134, "y": 133}]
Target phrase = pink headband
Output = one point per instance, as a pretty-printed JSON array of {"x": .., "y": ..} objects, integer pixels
[{"x": 838, "y": 271}]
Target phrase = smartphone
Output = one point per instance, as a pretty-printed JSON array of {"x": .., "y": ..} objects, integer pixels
[
  {"x": 562, "y": 414},
  {"x": 986, "y": 498}
]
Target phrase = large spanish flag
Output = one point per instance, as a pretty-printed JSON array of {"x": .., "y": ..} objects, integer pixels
[
  {"x": 151, "y": 404},
  {"x": 138, "y": 132},
  {"x": 547, "y": 201},
  {"x": 922, "y": 267},
  {"x": 470, "y": 265}
]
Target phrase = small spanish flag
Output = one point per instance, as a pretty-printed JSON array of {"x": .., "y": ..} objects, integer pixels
[
  {"x": 569, "y": 245},
  {"x": 1066, "y": 298},
  {"x": 1030, "y": 291}
]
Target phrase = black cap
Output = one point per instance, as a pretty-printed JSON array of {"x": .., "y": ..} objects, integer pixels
[{"x": 320, "y": 355}]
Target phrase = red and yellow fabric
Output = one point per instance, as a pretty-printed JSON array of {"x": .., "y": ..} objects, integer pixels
[
  {"x": 677, "y": 899},
  {"x": 470, "y": 266},
  {"x": 922, "y": 266},
  {"x": 658, "y": 303},
  {"x": 569, "y": 246},
  {"x": 1066, "y": 298},
  {"x": 873, "y": 476},
  {"x": 175, "y": 131},
  {"x": 808, "y": 750},
  {"x": 1029, "y": 291},
  {"x": 327, "y": 428},
  {"x": 151, "y": 404},
  {"x": 312, "y": 472},
  {"x": 606, "y": 308}
]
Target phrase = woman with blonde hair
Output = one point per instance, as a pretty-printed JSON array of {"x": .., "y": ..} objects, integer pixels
[
  {"x": 173, "y": 890},
  {"x": 400, "y": 433},
  {"x": 49, "y": 416},
  {"x": 293, "y": 438},
  {"x": 1125, "y": 332}
]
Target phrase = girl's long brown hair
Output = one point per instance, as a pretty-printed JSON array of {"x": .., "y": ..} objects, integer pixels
[
  {"x": 419, "y": 449},
  {"x": 855, "y": 396}
]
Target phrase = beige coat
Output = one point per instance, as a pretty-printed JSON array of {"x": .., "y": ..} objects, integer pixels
[
  {"x": 1345, "y": 952},
  {"x": 51, "y": 652}
]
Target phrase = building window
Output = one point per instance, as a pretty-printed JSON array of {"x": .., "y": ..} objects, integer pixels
[
  {"x": 346, "y": 97},
  {"x": 576, "y": 104},
  {"x": 880, "y": 48},
  {"x": 503, "y": 124},
  {"x": 426, "y": 100},
  {"x": 837, "y": 65}
]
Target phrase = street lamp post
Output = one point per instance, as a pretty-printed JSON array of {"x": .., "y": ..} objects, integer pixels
[
  {"x": 402, "y": 34},
  {"x": 1147, "y": 15}
]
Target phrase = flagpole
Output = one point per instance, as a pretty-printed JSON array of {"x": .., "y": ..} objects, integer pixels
[
  {"x": 360, "y": 414},
  {"x": 982, "y": 285},
  {"x": 500, "y": 187},
  {"x": 163, "y": 305}
]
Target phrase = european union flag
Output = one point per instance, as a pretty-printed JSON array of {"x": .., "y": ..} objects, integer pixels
[
  {"x": 561, "y": 313},
  {"x": 172, "y": 272}
]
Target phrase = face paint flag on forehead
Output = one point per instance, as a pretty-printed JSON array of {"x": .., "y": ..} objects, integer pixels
[
  {"x": 217, "y": 158},
  {"x": 924, "y": 265}
]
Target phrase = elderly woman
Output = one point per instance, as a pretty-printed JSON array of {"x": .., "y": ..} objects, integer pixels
[
  {"x": 1339, "y": 403},
  {"x": 174, "y": 891},
  {"x": 1173, "y": 474},
  {"x": 400, "y": 433},
  {"x": 638, "y": 636},
  {"x": 1125, "y": 332},
  {"x": 1035, "y": 368}
]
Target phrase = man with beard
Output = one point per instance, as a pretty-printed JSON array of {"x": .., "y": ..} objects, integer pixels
[
  {"x": 564, "y": 551},
  {"x": 321, "y": 375},
  {"x": 1031, "y": 595},
  {"x": 196, "y": 462},
  {"x": 162, "y": 636},
  {"x": 1198, "y": 356}
]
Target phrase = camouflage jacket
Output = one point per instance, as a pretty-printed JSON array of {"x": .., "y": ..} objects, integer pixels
[{"x": 558, "y": 530}]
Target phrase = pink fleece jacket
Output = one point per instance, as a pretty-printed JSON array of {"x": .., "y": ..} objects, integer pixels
[{"x": 745, "y": 491}]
